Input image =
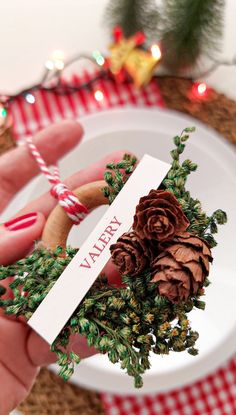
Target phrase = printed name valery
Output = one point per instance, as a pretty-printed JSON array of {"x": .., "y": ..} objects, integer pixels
[{"x": 101, "y": 243}]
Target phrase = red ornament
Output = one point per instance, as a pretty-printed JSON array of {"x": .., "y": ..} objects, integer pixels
[
  {"x": 139, "y": 38},
  {"x": 117, "y": 33},
  {"x": 128, "y": 61}
]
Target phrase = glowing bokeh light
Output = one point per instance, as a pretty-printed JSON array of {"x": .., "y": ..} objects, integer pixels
[
  {"x": 30, "y": 98},
  {"x": 98, "y": 95},
  {"x": 156, "y": 52},
  {"x": 201, "y": 88},
  {"x": 3, "y": 112}
]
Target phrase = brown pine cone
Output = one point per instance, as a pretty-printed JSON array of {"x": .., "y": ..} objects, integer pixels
[
  {"x": 159, "y": 216},
  {"x": 180, "y": 270},
  {"x": 130, "y": 254}
]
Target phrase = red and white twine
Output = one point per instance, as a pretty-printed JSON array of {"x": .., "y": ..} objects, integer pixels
[{"x": 66, "y": 198}]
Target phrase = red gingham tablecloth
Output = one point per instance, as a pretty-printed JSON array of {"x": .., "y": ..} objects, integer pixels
[{"x": 213, "y": 395}]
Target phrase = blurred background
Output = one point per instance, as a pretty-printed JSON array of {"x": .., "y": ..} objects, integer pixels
[{"x": 31, "y": 31}]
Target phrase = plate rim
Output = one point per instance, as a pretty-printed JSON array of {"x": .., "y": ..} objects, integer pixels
[
  {"x": 118, "y": 111},
  {"x": 181, "y": 376},
  {"x": 191, "y": 372}
]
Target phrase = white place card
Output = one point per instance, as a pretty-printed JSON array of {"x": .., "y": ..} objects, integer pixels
[{"x": 77, "y": 278}]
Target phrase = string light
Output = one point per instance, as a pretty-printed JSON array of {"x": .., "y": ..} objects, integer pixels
[
  {"x": 98, "y": 95},
  {"x": 156, "y": 51},
  {"x": 3, "y": 112},
  {"x": 49, "y": 65},
  {"x": 98, "y": 58},
  {"x": 59, "y": 65},
  {"x": 199, "y": 91},
  {"x": 30, "y": 98},
  {"x": 201, "y": 88},
  {"x": 57, "y": 61}
]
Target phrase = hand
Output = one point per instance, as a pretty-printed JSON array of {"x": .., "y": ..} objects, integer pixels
[{"x": 22, "y": 351}]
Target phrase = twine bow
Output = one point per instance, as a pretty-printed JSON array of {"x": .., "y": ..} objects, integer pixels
[{"x": 66, "y": 198}]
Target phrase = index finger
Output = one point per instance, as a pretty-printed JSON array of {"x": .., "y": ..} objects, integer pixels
[
  {"x": 46, "y": 202},
  {"x": 18, "y": 166}
]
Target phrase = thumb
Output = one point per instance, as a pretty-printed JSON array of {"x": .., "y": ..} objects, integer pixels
[{"x": 18, "y": 235}]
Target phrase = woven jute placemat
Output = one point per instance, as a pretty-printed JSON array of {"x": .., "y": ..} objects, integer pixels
[
  {"x": 6, "y": 141},
  {"x": 218, "y": 111},
  {"x": 50, "y": 395}
]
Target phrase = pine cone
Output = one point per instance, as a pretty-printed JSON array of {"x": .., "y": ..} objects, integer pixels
[
  {"x": 159, "y": 216},
  {"x": 130, "y": 254},
  {"x": 180, "y": 270}
]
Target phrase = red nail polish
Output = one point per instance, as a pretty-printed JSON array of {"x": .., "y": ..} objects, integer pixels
[{"x": 21, "y": 222}]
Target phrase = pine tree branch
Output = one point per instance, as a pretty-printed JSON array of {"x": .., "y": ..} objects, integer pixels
[
  {"x": 133, "y": 16},
  {"x": 190, "y": 28}
]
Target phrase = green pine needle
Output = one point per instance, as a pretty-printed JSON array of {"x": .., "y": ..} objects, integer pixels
[
  {"x": 133, "y": 16},
  {"x": 190, "y": 28}
]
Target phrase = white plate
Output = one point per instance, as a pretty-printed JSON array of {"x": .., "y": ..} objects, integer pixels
[{"x": 150, "y": 131}]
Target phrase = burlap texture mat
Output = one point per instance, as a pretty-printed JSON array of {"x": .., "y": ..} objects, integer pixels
[
  {"x": 50, "y": 395},
  {"x": 6, "y": 141},
  {"x": 218, "y": 111}
]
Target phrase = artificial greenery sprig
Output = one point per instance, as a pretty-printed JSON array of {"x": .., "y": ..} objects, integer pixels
[
  {"x": 124, "y": 323},
  {"x": 117, "y": 175},
  {"x": 200, "y": 223}
]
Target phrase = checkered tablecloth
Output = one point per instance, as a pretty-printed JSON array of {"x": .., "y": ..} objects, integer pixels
[{"x": 213, "y": 395}]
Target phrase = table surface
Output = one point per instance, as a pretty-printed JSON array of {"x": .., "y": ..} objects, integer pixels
[{"x": 31, "y": 31}]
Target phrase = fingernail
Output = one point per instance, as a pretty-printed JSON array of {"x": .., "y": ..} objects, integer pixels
[{"x": 21, "y": 222}]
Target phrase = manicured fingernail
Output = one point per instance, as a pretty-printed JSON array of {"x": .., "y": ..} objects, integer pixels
[{"x": 21, "y": 222}]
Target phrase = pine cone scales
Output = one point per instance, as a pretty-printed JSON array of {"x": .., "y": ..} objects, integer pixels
[
  {"x": 130, "y": 254},
  {"x": 178, "y": 260},
  {"x": 159, "y": 216},
  {"x": 181, "y": 268}
]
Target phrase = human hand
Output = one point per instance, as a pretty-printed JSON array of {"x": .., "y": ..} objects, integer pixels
[{"x": 22, "y": 351}]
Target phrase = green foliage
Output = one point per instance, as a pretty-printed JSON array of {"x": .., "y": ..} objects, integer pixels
[
  {"x": 175, "y": 182},
  {"x": 127, "y": 323},
  {"x": 112, "y": 319},
  {"x": 200, "y": 223},
  {"x": 117, "y": 175},
  {"x": 190, "y": 28},
  {"x": 133, "y": 16}
]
